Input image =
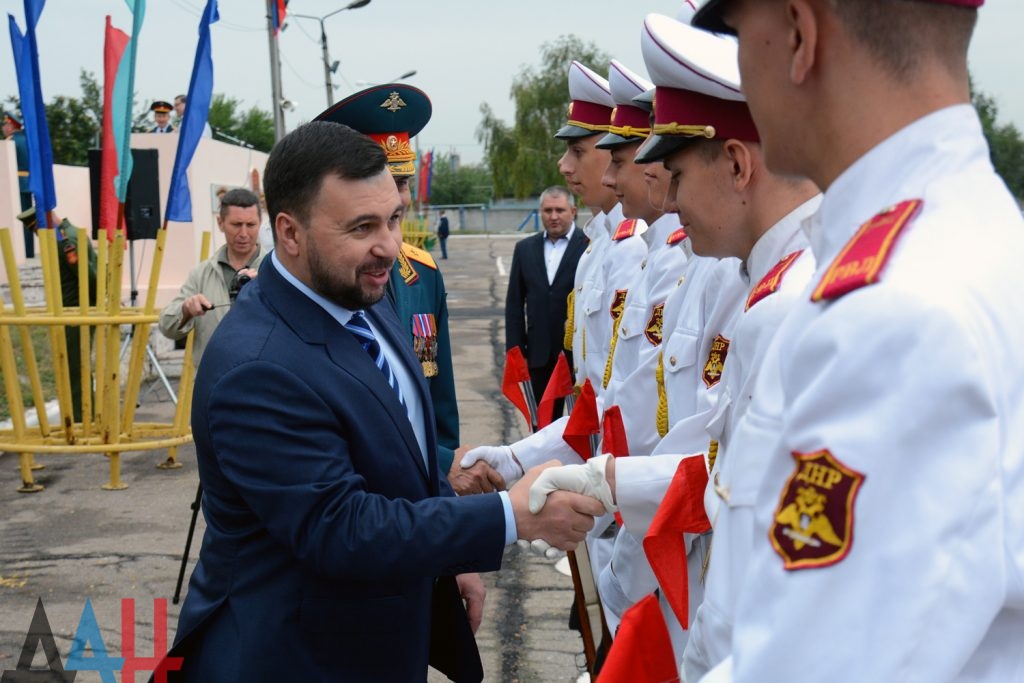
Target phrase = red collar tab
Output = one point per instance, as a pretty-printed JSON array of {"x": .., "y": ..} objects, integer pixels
[
  {"x": 676, "y": 237},
  {"x": 627, "y": 228},
  {"x": 862, "y": 259},
  {"x": 771, "y": 282}
]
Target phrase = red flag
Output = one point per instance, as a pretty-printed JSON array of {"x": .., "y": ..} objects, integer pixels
[
  {"x": 614, "y": 433},
  {"x": 113, "y": 47},
  {"x": 681, "y": 511},
  {"x": 642, "y": 649},
  {"x": 515, "y": 384},
  {"x": 559, "y": 386},
  {"x": 583, "y": 422}
]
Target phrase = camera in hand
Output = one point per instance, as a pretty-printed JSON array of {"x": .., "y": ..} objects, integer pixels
[{"x": 237, "y": 282}]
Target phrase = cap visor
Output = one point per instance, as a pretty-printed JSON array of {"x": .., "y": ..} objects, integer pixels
[
  {"x": 645, "y": 100},
  {"x": 612, "y": 140},
  {"x": 570, "y": 131},
  {"x": 709, "y": 18},
  {"x": 657, "y": 147}
]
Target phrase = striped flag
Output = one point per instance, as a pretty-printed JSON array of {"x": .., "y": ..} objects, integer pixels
[
  {"x": 113, "y": 48},
  {"x": 278, "y": 11},
  {"x": 200, "y": 91},
  {"x": 37, "y": 133},
  {"x": 121, "y": 101}
]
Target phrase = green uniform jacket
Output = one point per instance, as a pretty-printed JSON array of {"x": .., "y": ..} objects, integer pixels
[{"x": 426, "y": 294}]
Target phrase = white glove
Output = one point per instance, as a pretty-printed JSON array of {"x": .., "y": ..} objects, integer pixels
[
  {"x": 498, "y": 457},
  {"x": 540, "y": 547},
  {"x": 587, "y": 479}
]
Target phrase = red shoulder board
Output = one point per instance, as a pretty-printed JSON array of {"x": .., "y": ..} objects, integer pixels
[
  {"x": 864, "y": 256},
  {"x": 769, "y": 284},
  {"x": 813, "y": 522},
  {"x": 626, "y": 228},
  {"x": 676, "y": 237}
]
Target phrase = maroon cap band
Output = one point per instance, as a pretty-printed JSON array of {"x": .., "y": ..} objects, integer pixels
[
  {"x": 631, "y": 122},
  {"x": 589, "y": 115},
  {"x": 683, "y": 112}
]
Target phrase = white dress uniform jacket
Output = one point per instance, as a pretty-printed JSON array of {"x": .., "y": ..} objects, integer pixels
[
  {"x": 779, "y": 267},
  {"x": 906, "y": 397}
]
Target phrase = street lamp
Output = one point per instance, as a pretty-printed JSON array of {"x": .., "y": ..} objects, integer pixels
[{"x": 329, "y": 67}]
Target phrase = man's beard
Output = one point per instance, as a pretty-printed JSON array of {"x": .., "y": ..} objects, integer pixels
[{"x": 349, "y": 295}]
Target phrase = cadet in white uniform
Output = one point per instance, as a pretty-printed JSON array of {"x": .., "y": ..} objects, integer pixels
[{"x": 890, "y": 533}]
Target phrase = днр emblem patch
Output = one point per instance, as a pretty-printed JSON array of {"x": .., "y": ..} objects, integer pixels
[
  {"x": 654, "y": 324},
  {"x": 716, "y": 361},
  {"x": 813, "y": 524}
]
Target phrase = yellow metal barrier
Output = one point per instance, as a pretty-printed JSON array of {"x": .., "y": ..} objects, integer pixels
[{"x": 108, "y": 416}]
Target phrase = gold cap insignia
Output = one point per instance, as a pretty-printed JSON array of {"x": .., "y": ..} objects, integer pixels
[{"x": 393, "y": 102}]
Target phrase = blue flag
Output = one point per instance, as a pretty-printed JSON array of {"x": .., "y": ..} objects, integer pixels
[
  {"x": 37, "y": 133},
  {"x": 200, "y": 91},
  {"x": 121, "y": 102}
]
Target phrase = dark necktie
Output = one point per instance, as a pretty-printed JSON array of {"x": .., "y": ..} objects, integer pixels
[{"x": 360, "y": 328}]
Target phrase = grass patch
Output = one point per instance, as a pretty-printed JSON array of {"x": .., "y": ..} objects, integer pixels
[{"x": 44, "y": 362}]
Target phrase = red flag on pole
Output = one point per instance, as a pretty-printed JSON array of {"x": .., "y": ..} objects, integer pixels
[
  {"x": 681, "y": 511},
  {"x": 516, "y": 386},
  {"x": 642, "y": 649},
  {"x": 583, "y": 426},
  {"x": 114, "y": 43},
  {"x": 613, "y": 433},
  {"x": 559, "y": 386}
]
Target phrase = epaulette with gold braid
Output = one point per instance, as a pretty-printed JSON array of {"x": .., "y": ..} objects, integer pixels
[
  {"x": 771, "y": 282},
  {"x": 676, "y": 237},
  {"x": 418, "y": 255},
  {"x": 864, "y": 256}
]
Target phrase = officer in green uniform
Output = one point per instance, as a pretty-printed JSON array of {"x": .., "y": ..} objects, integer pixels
[
  {"x": 13, "y": 130},
  {"x": 68, "y": 253},
  {"x": 391, "y": 114}
]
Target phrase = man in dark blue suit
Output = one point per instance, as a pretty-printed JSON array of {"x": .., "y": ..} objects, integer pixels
[
  {"x": 334, "y": 549},
  {"x": 539, "y": 282}
]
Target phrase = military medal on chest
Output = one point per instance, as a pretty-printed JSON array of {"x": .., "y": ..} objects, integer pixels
[{"x": 424, "y": 332}]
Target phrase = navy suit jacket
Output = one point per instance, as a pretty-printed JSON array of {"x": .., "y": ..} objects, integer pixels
[
  {"x": 326, "y": 533},
  {"x": 535, "y": 311}
]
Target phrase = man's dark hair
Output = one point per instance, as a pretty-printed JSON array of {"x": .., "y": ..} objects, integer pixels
[
  {"x": 181, "y": 98},
  {"x": 301, "y": 160},
  {"x": 241, "y": 198},
  {"x": 900, "y": 34}
]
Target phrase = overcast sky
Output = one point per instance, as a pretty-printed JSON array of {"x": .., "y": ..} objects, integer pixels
[{"x": 464, "y": 51}]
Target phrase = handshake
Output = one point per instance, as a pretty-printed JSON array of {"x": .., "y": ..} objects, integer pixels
[{"x": 554, "y": 504}]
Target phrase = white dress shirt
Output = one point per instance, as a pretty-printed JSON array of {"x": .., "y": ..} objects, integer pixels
[{"x": 554, "y": 251}]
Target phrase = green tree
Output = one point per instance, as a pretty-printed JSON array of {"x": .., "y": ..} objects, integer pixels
[
  {"x": 453, "y": 183},
  {"x": 254, "y": 126},
  {"x": 523, "y": 157},
  {"x": 1006, "y": 145}
]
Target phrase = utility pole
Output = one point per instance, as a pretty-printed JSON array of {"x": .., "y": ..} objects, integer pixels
[{"x": 275, "y": 76}]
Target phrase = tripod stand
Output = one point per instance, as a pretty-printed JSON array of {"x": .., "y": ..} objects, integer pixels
[{"x": 150, "y": 354}]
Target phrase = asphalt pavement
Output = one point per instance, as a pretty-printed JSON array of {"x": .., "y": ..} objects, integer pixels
[{"x": 74, "y": 542}]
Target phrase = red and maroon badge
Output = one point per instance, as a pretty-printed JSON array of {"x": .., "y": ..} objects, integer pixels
[
  {"x": 716, "y": 361},
  {"x": 618, "y": 303},
  {"x": 864, "y": 256},
  {"x": 654, "y": 325},
  {"x": 813, "y": 524},
  {"x": 771, "y": 282}
]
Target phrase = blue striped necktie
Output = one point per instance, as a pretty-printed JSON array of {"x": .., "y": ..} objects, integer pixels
[{"x": 360, "y": 328}]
